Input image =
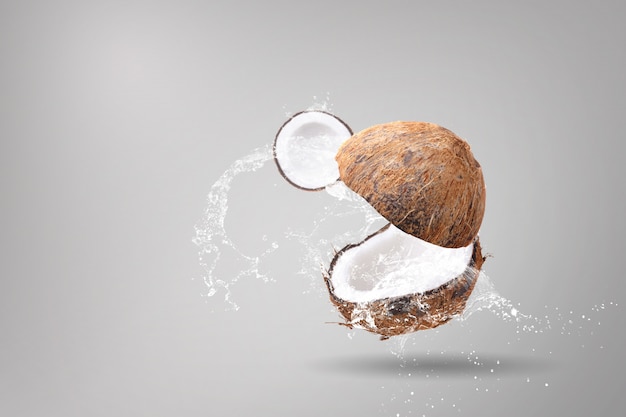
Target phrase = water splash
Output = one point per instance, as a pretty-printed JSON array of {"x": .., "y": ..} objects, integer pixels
[
  {"x": 486, "y": 371},
  {"x": 485, "y": 297},
  {"x": 344, "y": 219},
  {"x": 320, "y": 103},
  {"x": 211, "y": 236}
]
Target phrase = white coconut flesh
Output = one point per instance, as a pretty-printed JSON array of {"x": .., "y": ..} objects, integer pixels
[
  {"x": 393, "y": 263},
  {"x": 305, "y": 149}
]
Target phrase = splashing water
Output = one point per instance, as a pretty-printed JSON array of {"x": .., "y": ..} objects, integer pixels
[
  {"x": 214, "y": 241},
  {"x": 211, "y": 235},
  {"x": 486, "y": 370},
  {"x": 486, "y": 298}
]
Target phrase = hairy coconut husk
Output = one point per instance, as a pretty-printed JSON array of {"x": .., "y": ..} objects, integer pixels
[
  {"x": 419, "y": 176},
  {"x": 412, "y": 312}
]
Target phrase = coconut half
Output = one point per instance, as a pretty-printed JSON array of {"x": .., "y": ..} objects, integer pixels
[
  {"x": 305, "y": 149},
  {"x": 393, "y": 283},
  {"x": 420, "y": 176}
]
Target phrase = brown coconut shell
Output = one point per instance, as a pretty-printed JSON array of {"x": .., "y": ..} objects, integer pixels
[
  {"x": 420, "y": 176},
  {"x": 409, "y": 313}
]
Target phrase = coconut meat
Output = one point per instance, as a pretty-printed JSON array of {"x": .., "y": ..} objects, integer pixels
[
  {"x": 393, "y": 263},
  {"x": 306, "y": 146}
]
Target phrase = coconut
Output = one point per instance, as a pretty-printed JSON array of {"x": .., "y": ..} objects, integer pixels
[
  {"x": 305, "y": 147},
  {"x": 393, "y": 283},
  {"x": 417, "y": 272},
  {"x": 420, "y": 176}
]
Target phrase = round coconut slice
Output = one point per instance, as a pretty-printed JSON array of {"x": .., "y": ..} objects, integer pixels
[
  {"x": 420, "y": 176},
  {"x": 305, "y": 149},
  {"x": 393, "y": 283}
]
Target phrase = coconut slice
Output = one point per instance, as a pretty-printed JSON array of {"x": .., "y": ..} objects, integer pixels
[
  {"x": 393, "y": 283},
  {"x": 305, "y": 149},
  {"x": 420, "y": 176}
]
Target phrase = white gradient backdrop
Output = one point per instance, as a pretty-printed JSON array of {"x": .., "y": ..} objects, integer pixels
[{"x": 116, "y": 118}]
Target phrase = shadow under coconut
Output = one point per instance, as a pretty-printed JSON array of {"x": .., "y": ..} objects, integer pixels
[{"x": 444, "y": 365}]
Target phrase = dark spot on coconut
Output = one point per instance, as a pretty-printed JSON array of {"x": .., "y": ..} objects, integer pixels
[
  {"x": 399, "y": 306},
  {"x": 359, "y": 159},
  {"x": 390, "y": 200},
  {"x": 408, "y": 156},
  {"x": 405, "y": 190},
  {"x": 463, "y": 285}
]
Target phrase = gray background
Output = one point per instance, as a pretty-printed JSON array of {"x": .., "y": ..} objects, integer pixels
[{"x": 117, "y": 117}]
